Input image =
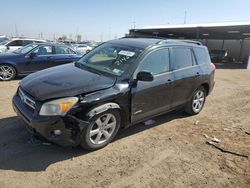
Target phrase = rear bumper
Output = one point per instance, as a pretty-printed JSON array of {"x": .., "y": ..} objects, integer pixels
[
  {"x": 69, "y": 126},
  {"x": 211, "y": 87}
]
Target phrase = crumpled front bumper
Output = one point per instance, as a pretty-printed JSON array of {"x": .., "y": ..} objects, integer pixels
[{"x": 69, "y": 126}]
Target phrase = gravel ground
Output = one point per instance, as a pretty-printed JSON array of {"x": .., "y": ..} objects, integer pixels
[{"x": 172, "y": 152}]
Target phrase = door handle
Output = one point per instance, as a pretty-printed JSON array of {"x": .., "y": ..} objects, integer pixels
[
  {"x": 169, "y": 81},
  {"x": 197, "y": 74}
]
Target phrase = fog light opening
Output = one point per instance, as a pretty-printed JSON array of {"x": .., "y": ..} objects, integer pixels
[{"x": 57, "y": 132}]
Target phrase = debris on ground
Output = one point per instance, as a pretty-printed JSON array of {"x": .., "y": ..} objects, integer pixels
[
  {"x": 248, "y": 133},
  {"x": 197, "y": 122},
  {"x": 224, "y": 150},
  {"x": 206, "y": 136},
  {"x": 214, "y": 139},
  {"x": 149, "y": 122}
]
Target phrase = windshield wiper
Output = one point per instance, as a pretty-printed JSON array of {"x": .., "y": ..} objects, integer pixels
[{"x": 81, "y": 65}]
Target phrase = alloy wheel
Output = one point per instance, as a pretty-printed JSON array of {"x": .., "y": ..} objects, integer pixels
[
  {"x": 198, "y": 101},
  {"x": 102, "y": 129},
  {"x": 6, "y": 72}
]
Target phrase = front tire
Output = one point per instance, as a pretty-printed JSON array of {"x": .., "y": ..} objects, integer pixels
[
  {"x": 197, "y": 102},
  {"x": 7, "y": 72},
  {"x": 101, "y": 131}
]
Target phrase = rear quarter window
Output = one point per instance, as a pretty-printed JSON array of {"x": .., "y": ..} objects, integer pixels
[{"x": 200, "y": 55}]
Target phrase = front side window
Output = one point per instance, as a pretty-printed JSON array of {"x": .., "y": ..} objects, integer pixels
[
  {"x": 200, "y": 55},
  {"x": 15, "y": 43},
  {"x": 114, "y": 59},
  {"x": 156, "y": 62},
  {"x": 182, "y": 57},
  {"x": 63, "y": 50},
  {"x": 43, "y": 50}
]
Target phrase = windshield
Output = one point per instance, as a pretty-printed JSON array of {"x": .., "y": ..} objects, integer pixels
[
  {"x": 26, "y": 49},
  {"x": 4, "y": 42},
  {"x": 111, "y": 58}
]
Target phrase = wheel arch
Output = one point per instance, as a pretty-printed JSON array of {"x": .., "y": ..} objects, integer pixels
[
  {"x": 9, "y": 64},
  {"x": 90, "y": 112},
  {"x": 206, "y": 87}
]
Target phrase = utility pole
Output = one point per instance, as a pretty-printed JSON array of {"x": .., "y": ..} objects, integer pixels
[
  {"x": 109, "y": 32},
  {"x": 185, "y": 17},
  {"x": 16, "y": 31},
  {"x": 134, "y": 24},
  {"x": 101, "y": 37}
]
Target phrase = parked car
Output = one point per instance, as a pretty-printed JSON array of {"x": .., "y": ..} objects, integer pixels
[
  {"x": 14, "y": 44},
  {"x": 220, "y": 56},
  {"x": 3, "y": 38},
  {"x": 35, "y": 57},
  {"x": 82, "y": 48},
  {"x": 88, "y": 101}
]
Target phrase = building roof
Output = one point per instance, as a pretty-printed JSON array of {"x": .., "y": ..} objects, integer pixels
[
  {"x": 223, "y": 30},
  {"x": 219, "y": 24}
]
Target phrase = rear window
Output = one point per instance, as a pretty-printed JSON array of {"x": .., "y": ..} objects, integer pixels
[
  {"x": 200, "y": 55},
  {"x": 182, "y": 57}
]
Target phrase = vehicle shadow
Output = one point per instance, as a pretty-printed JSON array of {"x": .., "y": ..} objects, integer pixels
[
  {"x": 20, "y": 151},
  {"x": 229, "y": 65}
]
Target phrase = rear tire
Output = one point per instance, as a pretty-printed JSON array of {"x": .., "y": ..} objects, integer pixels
[
  {"x": 195, "y": 105},
  {"x": 7, "y": 72},
  {"x": 101, "y": 131}
]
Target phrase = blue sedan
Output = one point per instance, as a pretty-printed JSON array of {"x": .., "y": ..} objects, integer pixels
[{"x": 35, "y": 57}]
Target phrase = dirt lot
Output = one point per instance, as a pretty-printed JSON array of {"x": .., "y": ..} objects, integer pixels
[{"x": 170, "y": 153}]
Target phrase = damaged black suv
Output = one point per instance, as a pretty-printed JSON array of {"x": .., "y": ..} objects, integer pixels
[{"x": 118, "y": 84}]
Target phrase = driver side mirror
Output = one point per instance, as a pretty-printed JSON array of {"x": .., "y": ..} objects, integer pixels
[
  {"x": 144, "y": 76},
  {"x": 32, "y": 55},
  {"x": 7, "y": 47}
]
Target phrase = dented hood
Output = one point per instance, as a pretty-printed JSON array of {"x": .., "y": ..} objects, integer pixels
[{"x": 64, "y": 81}]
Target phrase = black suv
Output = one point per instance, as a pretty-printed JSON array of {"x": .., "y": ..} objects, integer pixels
[{"x": 118, "y": 84}]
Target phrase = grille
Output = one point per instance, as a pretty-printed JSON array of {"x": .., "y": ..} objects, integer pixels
[{"x": 25, "y": 99}]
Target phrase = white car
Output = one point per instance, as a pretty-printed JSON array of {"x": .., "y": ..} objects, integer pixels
[
  {"x": 82, "y": 48},
  {"x": 14, "y": 44}
]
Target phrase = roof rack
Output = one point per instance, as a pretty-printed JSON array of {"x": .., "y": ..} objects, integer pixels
[
  {"x": 180, "y": 40},
  {"x": 146, "y": 36}
]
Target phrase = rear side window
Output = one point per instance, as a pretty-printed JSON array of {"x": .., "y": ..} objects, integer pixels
[
  {"x": 63, "y": 50},
  {"x": 156, "y": 62},
  {"x": 43, "y": 50},
  {"x": 182, "y": 57},
  {"x": 200, "y": 55},
  {"x": 26, "y": 42}
]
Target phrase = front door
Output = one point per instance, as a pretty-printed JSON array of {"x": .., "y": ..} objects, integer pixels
[
  {"x": 42, "y": 58},
  {"x": 154, "y": 97}
]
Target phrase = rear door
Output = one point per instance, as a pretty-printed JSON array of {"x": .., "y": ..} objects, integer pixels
[
  {"x": 152, "y": 98},
  {"x": 63, "y": 55},
  {"x": 187, "y": 74}
]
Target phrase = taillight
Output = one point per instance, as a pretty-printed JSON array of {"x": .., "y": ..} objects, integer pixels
[{"x": 213, "y": 66}]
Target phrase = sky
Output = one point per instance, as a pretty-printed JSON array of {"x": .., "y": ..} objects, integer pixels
[{"x": 108, "y": 19}]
